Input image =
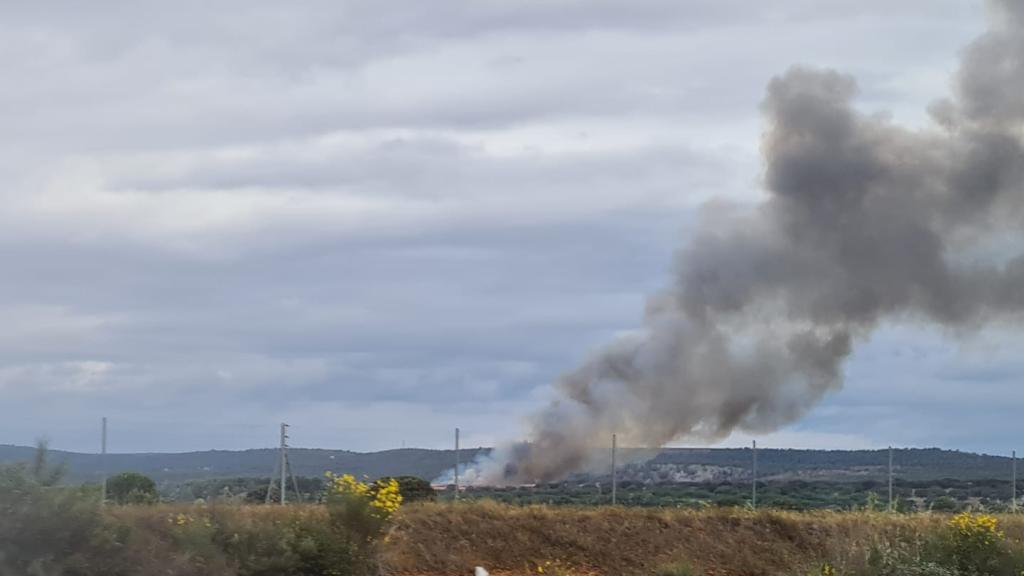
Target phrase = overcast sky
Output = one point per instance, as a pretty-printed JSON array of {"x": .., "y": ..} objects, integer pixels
[{"x": 379, "y": 221}]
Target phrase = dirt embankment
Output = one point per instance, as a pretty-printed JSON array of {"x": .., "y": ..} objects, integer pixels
[{"x": 439, "y": 539}]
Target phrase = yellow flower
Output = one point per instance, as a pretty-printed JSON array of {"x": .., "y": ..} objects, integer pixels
[
  {"x": 383, "y": 495},
  {"x": 347, "y": 484},
  {"x": 387, "y": 497}
]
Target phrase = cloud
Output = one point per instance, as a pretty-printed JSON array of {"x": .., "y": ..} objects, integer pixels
[{"x": 210, "y": 221}]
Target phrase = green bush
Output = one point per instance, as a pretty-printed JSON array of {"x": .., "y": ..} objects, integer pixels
[
  {"x": 51, "y": 530},
  {"x": 415, "y": 489},
  {"x": 46, "y": 528},
  {"x": 973, "y": 544},
  {"x": 944, "y": 504},
  {"x": 302, "y": 545},
  {"x": 889, "y": 561},
  {"x": 131, "y": 488},
  {"x": 969, "y": 545}
]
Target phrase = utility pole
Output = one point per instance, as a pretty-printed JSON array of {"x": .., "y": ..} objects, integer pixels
[
  {"x": 753, "y": 485},
  {"x": 284, "y": 467},
  {"x": 284, "y": 461},
  {"x": 890, "y": 480},
  {"x": 456, "y": 463},
  {"x": 103, "y": 463},
  {"x": 614, "y": 476},
  {"x": 1013, "y": 497}
]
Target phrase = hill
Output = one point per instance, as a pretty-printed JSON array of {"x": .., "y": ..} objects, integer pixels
[
  {"x": 669, "y": 465},
  {"x": 697, "y": 464},
  {"x": 185, "y": 466}
]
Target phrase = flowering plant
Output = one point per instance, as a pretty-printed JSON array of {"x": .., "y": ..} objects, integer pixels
[
  {"x": 383, "y": 496},
  {"x": 975, "y": 542}
]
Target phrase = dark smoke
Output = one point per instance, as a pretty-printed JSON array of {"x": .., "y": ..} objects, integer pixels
[{"x": 864, "y": 221}]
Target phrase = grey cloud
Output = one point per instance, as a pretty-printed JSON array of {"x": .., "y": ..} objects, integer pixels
[
  {"x": 176, "y": 238},
  {"x": 346, "y": 323},
  {"x": 152, "y": 78}
]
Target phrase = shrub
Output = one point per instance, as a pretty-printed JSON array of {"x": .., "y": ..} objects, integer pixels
[
  {"x": 974, "y": 543},
  {"x": 414, "y": 489},
  {"x": 282, "y": 542},
  {"x": 131, "y": 488},
  {"x": 46, "y": 528},
  {"x": 359, "y": 513},
  {"x": 893, "y": 559},
  {"x": 944, "y": 504}
]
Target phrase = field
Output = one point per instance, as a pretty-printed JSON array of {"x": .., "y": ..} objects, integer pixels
[
  {"x": 442, "y": 539},
  {"x": 371, "y": 528}
]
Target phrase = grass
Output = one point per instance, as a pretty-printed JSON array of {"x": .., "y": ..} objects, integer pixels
[
  {"x": 445, "y": 539},
  {"x": 441, "y": 539}
]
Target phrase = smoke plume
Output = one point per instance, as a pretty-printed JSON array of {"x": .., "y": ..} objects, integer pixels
[{"x": 864, "y": 221}]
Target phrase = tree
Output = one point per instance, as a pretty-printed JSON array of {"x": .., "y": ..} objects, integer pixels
[
  {"x": 944, "y": 504},
  {"x": 414, "y": 489},
  {"x": 131, "y": 488}
]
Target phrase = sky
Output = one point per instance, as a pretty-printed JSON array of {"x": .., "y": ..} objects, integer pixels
[{"x": 377, "y": 222}]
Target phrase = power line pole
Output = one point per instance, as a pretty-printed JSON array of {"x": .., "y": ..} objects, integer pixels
[
  {"x": 103, "y": 463},
  {"x": 456, "y": 463},
  {"x": 283, "y": 467},
  {"x": 890, "y": 480},
  {"x": 284, "y": 462},
  {"x": 1013, "y": 497},
  {"x": 614, "y": 472},
  {"x": 753, "y": 485}
]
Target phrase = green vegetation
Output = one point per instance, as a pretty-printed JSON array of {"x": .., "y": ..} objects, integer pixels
[
  {"x": 358, "y": 528},
  {"x": 50, "y": 529},
  {"x": 254, "y": 490},
  {"x": 415, "y": 489},
  {"x": 967, "y": 545},
  {"x": 944, "y": 495},
  {"x": 131, "y": 488},
  {"x": 44, "y": 528}
]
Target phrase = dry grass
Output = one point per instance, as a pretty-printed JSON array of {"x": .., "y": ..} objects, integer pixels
[
  {"x": 235, "y": 514},
  {"x": 438, "y": 539},
  {"x": 155, "y": 542},
  {"x": 445, "y": 539}
]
